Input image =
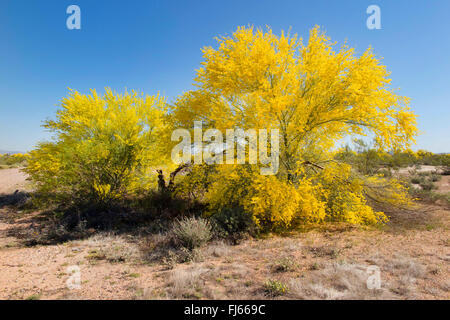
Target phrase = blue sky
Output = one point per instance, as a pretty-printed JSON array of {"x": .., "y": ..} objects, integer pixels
[{"x": 155, "y": 46}]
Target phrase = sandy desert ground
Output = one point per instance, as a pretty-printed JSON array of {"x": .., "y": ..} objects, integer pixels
[{"x": 412, "y": 253}]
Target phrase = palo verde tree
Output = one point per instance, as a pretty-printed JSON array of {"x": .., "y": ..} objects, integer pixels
[
  {"x": 103, "y": 148},
  {"x": 315, "y": 94}
]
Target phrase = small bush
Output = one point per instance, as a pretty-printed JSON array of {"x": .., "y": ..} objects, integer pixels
[
  {"x": 427, "y": 185},
  {"x": 286, "y": 264},
  {"x": 387, "y": 173},
  {"x": 416, "y": 180},
  {"x": 183, "y": 255},
  {"x": 435, "y": 177},
  {"x": 186, "y": 283},
  {"x": 192, "y": 232},
  {"x": 36, "y": 296},
  {"x": 430, "y": 196},
  {"x": 274, "y": 288},
  {"x": 233, "y": 222}
]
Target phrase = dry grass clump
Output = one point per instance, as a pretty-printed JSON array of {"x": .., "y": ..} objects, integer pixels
[
  {"x": 168, "y": 248},
  {"x": 186, "y": 283},
  {"x": 292, "y": 245},
  {"x": 337, "y": 281},
  {"x": 112, "y": 248},
  {"x": 325, "y": 251},
  {"x": 407, "y": 267},
  {"x": 218, "y": 249},
  {"x": 408, "y": 272},
  {"x": 285, "y": 264},
  {"x": 192, "y": 232}
]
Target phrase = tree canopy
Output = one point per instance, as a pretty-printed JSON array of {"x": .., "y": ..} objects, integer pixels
[{"x": 312, "y": 92}]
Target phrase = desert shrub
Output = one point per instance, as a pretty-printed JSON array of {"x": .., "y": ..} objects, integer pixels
[
  {"x": 425, "y": 179},
  {"x": 429, "y": 158},
  {"x": 285, "y": 264},
  {"x": 274, "y": 288},
  {"x": 103, "y": 147},
  {"x": 387, "y": 173},
  {"x": 416, "y": 180},
  {"x": 427, "y": 185},
  {"x": 192, "y": 232},
  {"x": 173, "y": 256},
  {"x": 435, "y": 177},
  {"x": 430, "y": 196},
  {"x": 368, "y": 159},
  {"x": 233, "y": 222}
]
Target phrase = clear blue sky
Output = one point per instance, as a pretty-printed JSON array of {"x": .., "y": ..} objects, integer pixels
[{"x": 155, "y": 46}]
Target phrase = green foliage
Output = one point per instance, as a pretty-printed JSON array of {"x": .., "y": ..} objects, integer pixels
[
  {"x": 36, "y": 296},
  {"x": 427, "y": 185},
  {"x": 430, "y": 196},
  {"x": 424, "y": 179},
  {"x": 235, "y": 222},
  {"x": 416, "y": 180}
]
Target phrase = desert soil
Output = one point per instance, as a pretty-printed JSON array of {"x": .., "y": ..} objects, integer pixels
[
  {"x": 334, "y": 262},
  {"x": 11, "y": 180}
]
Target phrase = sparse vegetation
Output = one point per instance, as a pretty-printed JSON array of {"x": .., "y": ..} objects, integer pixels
[
  {"x": 285, "y": 264},
  {"x": 186, "y": 284},
  {"x": 36, "y": 296},
  {"x": 274, "y": 288},
  {"x": 113, "y": 249},
  {"x": 192, "y": 232},
  {"x": 335, "y": 282},
  {"x": 15, "y": 160}
]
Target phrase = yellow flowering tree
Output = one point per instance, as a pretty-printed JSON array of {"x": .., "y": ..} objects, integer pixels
[
  {"x": 315, "y": 94},
  {"x": 104, "y": 146}
]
